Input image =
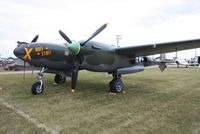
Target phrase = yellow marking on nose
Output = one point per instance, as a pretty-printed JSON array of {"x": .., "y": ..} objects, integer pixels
[{"x": 28, "y": 52}]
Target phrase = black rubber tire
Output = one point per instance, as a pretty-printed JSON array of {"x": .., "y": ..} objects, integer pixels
[
  {"x": 116, "y": 85},
  {"x": 59, "y": 79},
  {"x": 36, "y": 88}
]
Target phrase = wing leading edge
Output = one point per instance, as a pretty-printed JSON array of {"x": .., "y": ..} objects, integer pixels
[{"x": 150, "y": 49}]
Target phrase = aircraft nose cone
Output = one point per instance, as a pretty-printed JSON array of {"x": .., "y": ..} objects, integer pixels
[
  {"x": 15, "y": 51},
  {"x": 18, "y": 52}
]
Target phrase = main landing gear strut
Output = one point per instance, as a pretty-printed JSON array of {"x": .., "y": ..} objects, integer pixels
[
  {"x": 38, "y": 87},
  {"x": 116, "y": 85}
]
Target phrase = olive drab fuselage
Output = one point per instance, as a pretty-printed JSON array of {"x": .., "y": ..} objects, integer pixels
[{"x": 94, "y": 56}]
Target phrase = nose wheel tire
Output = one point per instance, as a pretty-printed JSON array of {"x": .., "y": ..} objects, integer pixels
[
  {"x": 37, "y": 88},
  {"x": 59, "y": 79},
  {"x": 116, "y": 85}
]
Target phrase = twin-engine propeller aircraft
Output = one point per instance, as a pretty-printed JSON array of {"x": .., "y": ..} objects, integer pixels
[{"x": 69, "y": 58}]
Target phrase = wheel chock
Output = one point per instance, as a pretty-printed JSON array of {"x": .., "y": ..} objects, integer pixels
[
  {"x": 55, "y": 83},
  {"x": 72, "y": 90},
  {"x": 111, "y": 93}
]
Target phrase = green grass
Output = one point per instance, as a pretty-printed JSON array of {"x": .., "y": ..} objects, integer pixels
[
  {"x": 12, "y": 123},
  {"x": 153, "y": 102}
]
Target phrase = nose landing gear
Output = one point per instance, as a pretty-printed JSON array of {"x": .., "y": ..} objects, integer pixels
[{"x": 38, "y": 87}]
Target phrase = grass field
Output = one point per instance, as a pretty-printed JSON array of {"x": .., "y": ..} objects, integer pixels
[{"x": 153, "y": 102}]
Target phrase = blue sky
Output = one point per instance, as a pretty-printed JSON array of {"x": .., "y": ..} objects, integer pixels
[{"x": 139, "y": 22}]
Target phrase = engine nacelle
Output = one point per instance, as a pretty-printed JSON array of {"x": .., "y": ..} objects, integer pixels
[{"x": 129, "y": 70}]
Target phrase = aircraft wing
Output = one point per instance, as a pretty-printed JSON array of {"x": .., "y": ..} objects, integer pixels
[{"x": 158, "y": 48}]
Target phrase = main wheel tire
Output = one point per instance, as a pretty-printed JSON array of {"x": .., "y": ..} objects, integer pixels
[
  {"x": 59, "y": 79},
  {"x": 36, "y": 89},
  {"x": 116, "y": 85}
]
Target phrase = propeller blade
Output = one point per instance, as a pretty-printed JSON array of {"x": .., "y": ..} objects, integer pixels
[
  {"x": 35, "y": 39},
  {"x": 74, "y": 77},
  {"x": 95, "y": 33},
  {"x": 65, "y": 36}
]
